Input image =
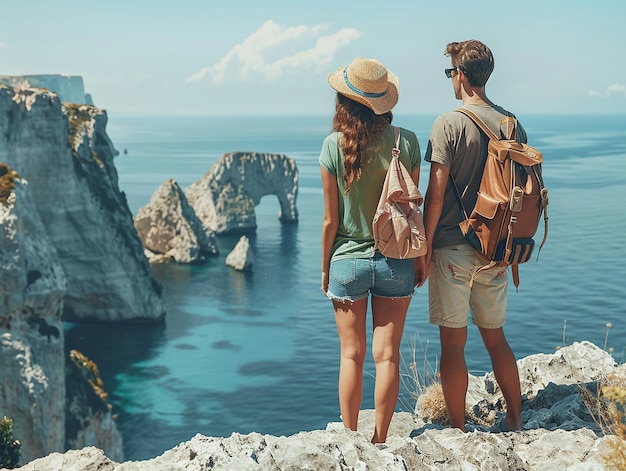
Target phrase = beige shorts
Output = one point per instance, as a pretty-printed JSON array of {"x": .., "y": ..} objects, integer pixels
[{"x": 450, "y": 296}]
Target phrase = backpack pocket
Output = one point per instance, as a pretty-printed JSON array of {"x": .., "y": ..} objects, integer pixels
[
  {"x": 486, "y": 206},
  {"x": 521, "y": 250},
  {"x": 484, "y": 220}
]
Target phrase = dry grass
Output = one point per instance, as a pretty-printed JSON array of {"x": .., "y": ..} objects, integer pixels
[
  {"x": 413, "y": 379},
  {"x": 608, "y": 407},
  {"x": 615, "y": 397},
  {"x": 423, "y": 384},
  {"x": 431, "y": 405}
]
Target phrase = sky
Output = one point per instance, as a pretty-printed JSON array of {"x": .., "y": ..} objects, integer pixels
[{"x": 246, "y": 57}]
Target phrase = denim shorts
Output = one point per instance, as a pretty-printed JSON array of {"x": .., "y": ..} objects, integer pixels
[{"x": 352, "y": 279}]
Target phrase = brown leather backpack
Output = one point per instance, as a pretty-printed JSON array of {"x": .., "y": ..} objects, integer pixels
[{"x": 511, "y": 199}]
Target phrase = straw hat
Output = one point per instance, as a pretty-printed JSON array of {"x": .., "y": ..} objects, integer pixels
[{"x": 368, "y": 82}]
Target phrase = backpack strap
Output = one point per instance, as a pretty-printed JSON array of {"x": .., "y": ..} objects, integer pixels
[
  {"x": 508, "y": 125},
  {"x": 395, "y": 152},
  {"x": 479, "y": 122},
  {"x": 457, "y": 196}
]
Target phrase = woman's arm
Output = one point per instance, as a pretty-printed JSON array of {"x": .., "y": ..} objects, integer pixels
[
  {"x": 419, "y": 263},
  {"x": 330, "y": 222}
]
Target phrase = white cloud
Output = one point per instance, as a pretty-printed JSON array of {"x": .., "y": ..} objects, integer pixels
[
  {"x": 3, "y": 45},
  {"x": 615, "y": 89},
  {"x": 249, "y": 58}
]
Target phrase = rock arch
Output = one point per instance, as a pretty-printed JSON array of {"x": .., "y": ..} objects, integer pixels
[{"x": 225, "y": 198}]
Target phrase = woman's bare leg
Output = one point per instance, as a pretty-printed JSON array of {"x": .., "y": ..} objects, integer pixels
[
  {"x": 388, "y": 322},
  {"x": 350, "y": 319}
]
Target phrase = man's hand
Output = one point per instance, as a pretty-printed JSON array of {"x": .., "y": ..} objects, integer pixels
[{"x": 420, "y": 268}]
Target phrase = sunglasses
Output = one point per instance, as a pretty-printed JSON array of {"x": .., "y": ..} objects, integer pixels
[{"x": 449, "y": 71}]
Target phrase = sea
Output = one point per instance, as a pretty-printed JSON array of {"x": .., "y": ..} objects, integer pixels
[{"x": 258, "y": 351}]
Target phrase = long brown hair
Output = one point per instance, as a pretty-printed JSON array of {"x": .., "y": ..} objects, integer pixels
[{"x": 359, "y": 127}]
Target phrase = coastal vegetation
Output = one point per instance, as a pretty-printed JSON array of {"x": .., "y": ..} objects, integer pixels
[
  {"x": 9, "y": 447},
  {"x": 616, "y": 397},
  {"x": 7, "y": 182},
  {"x": 79, "y": 118},
  {"x": 90, "y": 372},
  {"x": 608, "y": 407}
]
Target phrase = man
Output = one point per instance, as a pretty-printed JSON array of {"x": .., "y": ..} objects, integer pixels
[{"x": 458, "y": 148}]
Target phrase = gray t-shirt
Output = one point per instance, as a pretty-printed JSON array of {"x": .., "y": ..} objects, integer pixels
[{"x": 456, "y": 142}]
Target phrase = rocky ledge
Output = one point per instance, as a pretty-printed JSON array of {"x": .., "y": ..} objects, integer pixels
[{"x": 561, "y": 414}]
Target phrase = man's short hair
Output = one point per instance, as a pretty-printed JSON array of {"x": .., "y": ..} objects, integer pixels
[{"x": 474, "y": 58}]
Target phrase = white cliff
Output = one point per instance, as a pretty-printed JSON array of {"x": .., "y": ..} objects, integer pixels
[
  {"x": 549, "y": 440},
  {"x": 225, "y": 198},
  {"x": 48, "y": 413},
  {"x": 70, "y": 88},
  {"x": 32, "y": 285},
  {"x": 63, "y": 151},
  {"x": 169, "y": 228}
]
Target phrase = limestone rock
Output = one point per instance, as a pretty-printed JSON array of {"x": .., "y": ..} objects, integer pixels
[
  {"x": 579, "y": 363},
  {"x": 168, "y": 227},
  {"x": 225, "y": 198},
  {"x": 346, "y": 450},
  {"x": 241, "y": 257},
  {"x": 32, "y": 285},
  {"x": 63, "y": 151},
  {"x": 31, "y": 280},
  {"x": 32, "y": 359},
  {"x": 70, "y": 88},
  {"x": 551, "y": 385},
  {"x": 411, "y": 443},
  {"x": 32, "y": 391},
  {"x": 86, "y": 459},
  {"x": 89, "y": 420}
]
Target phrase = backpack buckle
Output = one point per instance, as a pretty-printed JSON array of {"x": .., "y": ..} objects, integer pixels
[{"x": 517, "y": 196}]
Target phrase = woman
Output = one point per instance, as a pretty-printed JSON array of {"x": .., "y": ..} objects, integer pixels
[{"x": 354, "y": 160}]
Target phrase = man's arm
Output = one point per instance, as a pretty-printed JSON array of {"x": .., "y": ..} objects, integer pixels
[{"x": 433, "y": 202}]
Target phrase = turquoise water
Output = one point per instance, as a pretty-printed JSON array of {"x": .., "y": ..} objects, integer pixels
[{"x": 258, "y": 351}]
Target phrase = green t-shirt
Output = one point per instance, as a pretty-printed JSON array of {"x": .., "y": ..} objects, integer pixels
[
  {"x": 354, "y": 237},
  {"x": 457, "y": 143}
]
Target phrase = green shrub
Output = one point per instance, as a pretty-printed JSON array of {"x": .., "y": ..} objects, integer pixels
[
  {"x": 7, "y": 182},
  {"x": 9, "y": 447}
]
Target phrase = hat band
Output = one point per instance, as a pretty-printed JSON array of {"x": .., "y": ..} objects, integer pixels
[{"x": 360, "y": 92}]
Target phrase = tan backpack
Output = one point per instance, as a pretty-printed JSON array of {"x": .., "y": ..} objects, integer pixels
[
  {"x": 511, "y": 200},
  {"x": 398, "y": 225}
]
